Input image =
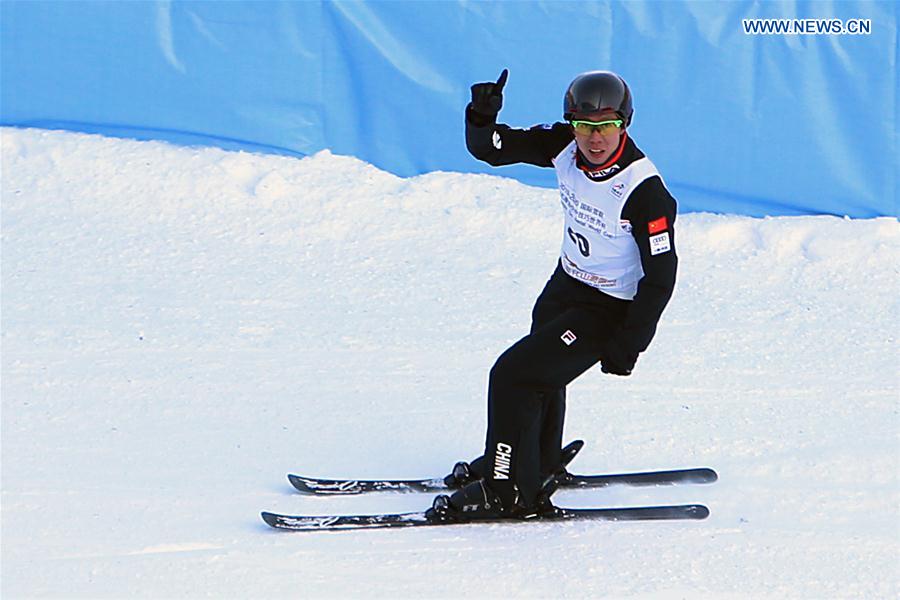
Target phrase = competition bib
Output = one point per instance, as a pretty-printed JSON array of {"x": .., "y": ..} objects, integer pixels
[{"x": 598, "y": 248}]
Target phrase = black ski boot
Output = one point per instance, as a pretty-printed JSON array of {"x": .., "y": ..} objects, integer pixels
[
  {"x": 478, "y": 502},
  {"x": 475, "y": 502},
  {"x": 465, "y": 473}
]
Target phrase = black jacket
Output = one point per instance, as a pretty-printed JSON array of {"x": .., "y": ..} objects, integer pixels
[{"x": 648, "y": 203}]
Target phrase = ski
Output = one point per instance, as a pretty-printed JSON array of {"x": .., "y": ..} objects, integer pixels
[
  {"x": 312, "y": 485},
  {"x": 418, "y": 519}
]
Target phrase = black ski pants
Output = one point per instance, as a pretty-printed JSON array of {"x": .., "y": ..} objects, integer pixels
[{"x": 571, "y": 322}]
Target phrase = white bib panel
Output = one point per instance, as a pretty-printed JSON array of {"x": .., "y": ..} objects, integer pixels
[{"x": 598, "y": 248}]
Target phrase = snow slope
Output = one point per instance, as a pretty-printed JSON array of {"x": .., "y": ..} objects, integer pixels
[{"x": 183, "y": 326}]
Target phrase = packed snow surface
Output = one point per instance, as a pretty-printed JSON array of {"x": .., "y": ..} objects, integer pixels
[{"x": 181, "y": 327}]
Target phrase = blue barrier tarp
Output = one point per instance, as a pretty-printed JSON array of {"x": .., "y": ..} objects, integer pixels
[{"x": 749, "y": 124}]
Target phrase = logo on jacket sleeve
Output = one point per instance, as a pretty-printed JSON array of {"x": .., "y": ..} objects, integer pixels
[
  {"x": 658, "y": 225},
  {"x": 660, "y": 243},
  {"x": 568, "y": 337}
]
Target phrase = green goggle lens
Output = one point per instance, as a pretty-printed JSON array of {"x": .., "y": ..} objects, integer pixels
[{"x": 604, "y": 127}]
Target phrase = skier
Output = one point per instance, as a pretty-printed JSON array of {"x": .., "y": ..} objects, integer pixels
[{"x": 615, "y": 275}]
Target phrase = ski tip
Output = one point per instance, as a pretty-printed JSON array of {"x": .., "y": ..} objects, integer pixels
[
  {"x": 270, "y": 519},
  {"x": 299, "y": 484}
]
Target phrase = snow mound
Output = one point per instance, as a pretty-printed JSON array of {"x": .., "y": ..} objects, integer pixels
[{"x": 183, "y": 326}]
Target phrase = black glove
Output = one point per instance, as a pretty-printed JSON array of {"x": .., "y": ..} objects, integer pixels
[
  {"x": 616, "y": 360},
  {"x": 487, "y": 98}
]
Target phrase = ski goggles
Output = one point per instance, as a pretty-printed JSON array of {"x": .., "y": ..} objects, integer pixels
[{"x": 604, "y": 127}]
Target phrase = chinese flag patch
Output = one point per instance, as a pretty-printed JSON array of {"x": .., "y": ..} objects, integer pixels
[{"x": 658, "y": 225}]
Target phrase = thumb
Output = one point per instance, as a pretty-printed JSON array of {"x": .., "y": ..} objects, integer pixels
[{"x": 501, "y": 81}]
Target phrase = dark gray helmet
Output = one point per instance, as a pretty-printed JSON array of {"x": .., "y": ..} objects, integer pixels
[{"x": 595, "y": 91}]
